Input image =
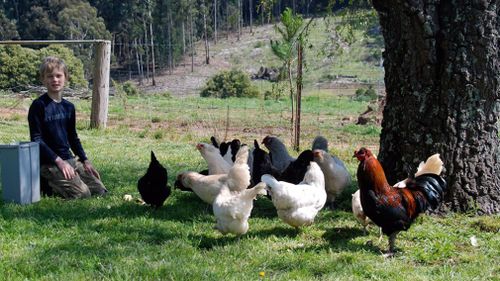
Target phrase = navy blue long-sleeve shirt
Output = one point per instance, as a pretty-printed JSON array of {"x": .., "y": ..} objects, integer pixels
[{"x": 53, "y": 125}]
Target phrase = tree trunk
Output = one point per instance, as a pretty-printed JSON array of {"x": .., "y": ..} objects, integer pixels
[
  {"x": 298, "y": 103},
  {"x": 183, "y": 38},
  {"x": 250, "y": 15},
  {"x": 215, "y": 22},
  {"x": 153, "y": 67},
  {"x": 138, "y": 61},
  {"x": 146, "y": 48},
  {"x": 441, "y": 64},
  {"x": 191, "y": 43},
  {"x": 205, "y": 34},
  {"x": 239, "y": 19},
  {"x": 169, "y": 42}
]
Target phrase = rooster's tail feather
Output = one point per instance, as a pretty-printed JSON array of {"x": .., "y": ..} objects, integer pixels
[
  {"x": 433, "y": 165},
  {"x": 433, "y": 187}
]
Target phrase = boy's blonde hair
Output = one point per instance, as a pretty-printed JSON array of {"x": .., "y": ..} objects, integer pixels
[{"x": 51, "y": 63}]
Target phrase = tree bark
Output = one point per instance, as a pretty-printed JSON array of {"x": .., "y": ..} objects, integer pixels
[{"x": 441, "y": 63}]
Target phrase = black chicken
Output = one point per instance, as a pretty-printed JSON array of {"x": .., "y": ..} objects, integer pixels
[
  {"x": 296, "y": 170},
  {"x": 153, "y": 185},
  {"x": 261, "y": 164}
]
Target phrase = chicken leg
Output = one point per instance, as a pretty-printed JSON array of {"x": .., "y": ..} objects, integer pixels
[{"x": 392, "y": 246}]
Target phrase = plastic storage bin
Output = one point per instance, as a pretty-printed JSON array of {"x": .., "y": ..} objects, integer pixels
[{"x": 20, "y": 172}]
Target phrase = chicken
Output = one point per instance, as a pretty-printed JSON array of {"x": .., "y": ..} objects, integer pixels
[
  {"x": 232, "y": 209},
  {"x": 294, "y": 173},
  {"x": 278, "y": 152},
  {"x": 320, "y": 142},
  {"x": 391, "y": 208},
  {"x": 337, "y": 177},
  {"x": 261, "y": 164},
  {"x": 153, "y": 185},
  {"x": 296, "y": 170},
  {"x": 205, "y": 187},
  {"x": 216, "y": 164},
  {"x": 234, "y": 146},
  {"x": 298, "y": 204},
  {"x": 357, "y": 210},
  {"x": 208, "y": 187},
  {"x": 227, "y": 150}
]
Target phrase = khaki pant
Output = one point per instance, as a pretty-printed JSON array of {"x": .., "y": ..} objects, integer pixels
[{"x": 83, "y": 185}]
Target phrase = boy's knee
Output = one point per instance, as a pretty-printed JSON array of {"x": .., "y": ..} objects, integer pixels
[
  {"x": 85, "y": 194},
  {"x": 78, "y": 194}
]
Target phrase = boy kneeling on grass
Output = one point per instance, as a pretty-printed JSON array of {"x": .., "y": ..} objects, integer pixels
[{"x": 52, "y": 124}]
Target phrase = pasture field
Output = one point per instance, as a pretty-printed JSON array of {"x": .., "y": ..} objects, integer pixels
[{"x": 112, "y": 239}]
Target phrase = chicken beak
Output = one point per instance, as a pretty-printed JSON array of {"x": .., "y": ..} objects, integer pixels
[{"x": 317, "y": 154}]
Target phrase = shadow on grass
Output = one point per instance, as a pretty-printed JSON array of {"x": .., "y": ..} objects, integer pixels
[
  {"x": 181, "y": 208},
  {"x": 341, "y": 239},
  {"x": 210, "y": 242},
  {"x": 263, "y": 208},
  {"x": 278, "y": 231}
]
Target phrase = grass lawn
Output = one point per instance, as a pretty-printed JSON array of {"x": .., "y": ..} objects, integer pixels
[{"x": 112, "y": 239}]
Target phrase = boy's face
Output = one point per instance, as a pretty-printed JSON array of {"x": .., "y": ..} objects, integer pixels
[{"x": 54, "y": 80}]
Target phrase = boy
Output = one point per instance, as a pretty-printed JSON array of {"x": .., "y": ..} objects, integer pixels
[{"x": 52, "y": 124}]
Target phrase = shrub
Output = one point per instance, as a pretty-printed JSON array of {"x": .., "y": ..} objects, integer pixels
[
  {"x": 130, "y": 89},
  {"x": 277, "y": 92},
  {"x": 19, "y": 66},
  {"x": 365, "y": 94},
  {"x": 233, "y": 83}
]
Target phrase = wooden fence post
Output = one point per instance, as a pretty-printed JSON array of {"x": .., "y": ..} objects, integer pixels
[{"x": 100, "y": 87}]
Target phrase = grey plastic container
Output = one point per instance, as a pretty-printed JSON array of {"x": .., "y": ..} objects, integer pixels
[{"x": 20, "y": 172}]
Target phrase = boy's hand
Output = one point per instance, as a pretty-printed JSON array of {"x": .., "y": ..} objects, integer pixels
[
  {"x": 90, "y": 169},
  {"x": 67, "y": 170}
]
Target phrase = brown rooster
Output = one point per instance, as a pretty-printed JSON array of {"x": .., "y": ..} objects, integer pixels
[{"x": 394, "y": 208}]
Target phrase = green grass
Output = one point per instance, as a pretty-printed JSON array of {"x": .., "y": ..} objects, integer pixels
[{"x": 112, "y": 239}]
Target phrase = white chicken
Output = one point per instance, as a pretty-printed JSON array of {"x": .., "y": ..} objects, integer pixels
[
  {"x": 359, "y": 214},
  {"x": 357, "y": 210},
  {"x": 216, "y": 163},
  {"x": 298, "y": 204},
  {"x": 337, "y": 177},
  {"x": 208, "y": 187},
  {"x": 232, "y": 209}
]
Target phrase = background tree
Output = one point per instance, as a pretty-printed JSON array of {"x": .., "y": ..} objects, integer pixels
[
  {"x": 8, "y": 30},
  {"x": 443, "y": 92},
  {"x": 289, "y": 49}
]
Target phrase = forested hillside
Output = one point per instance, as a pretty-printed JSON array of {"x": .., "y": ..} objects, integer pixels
[{"x": 170, "y": 33}]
